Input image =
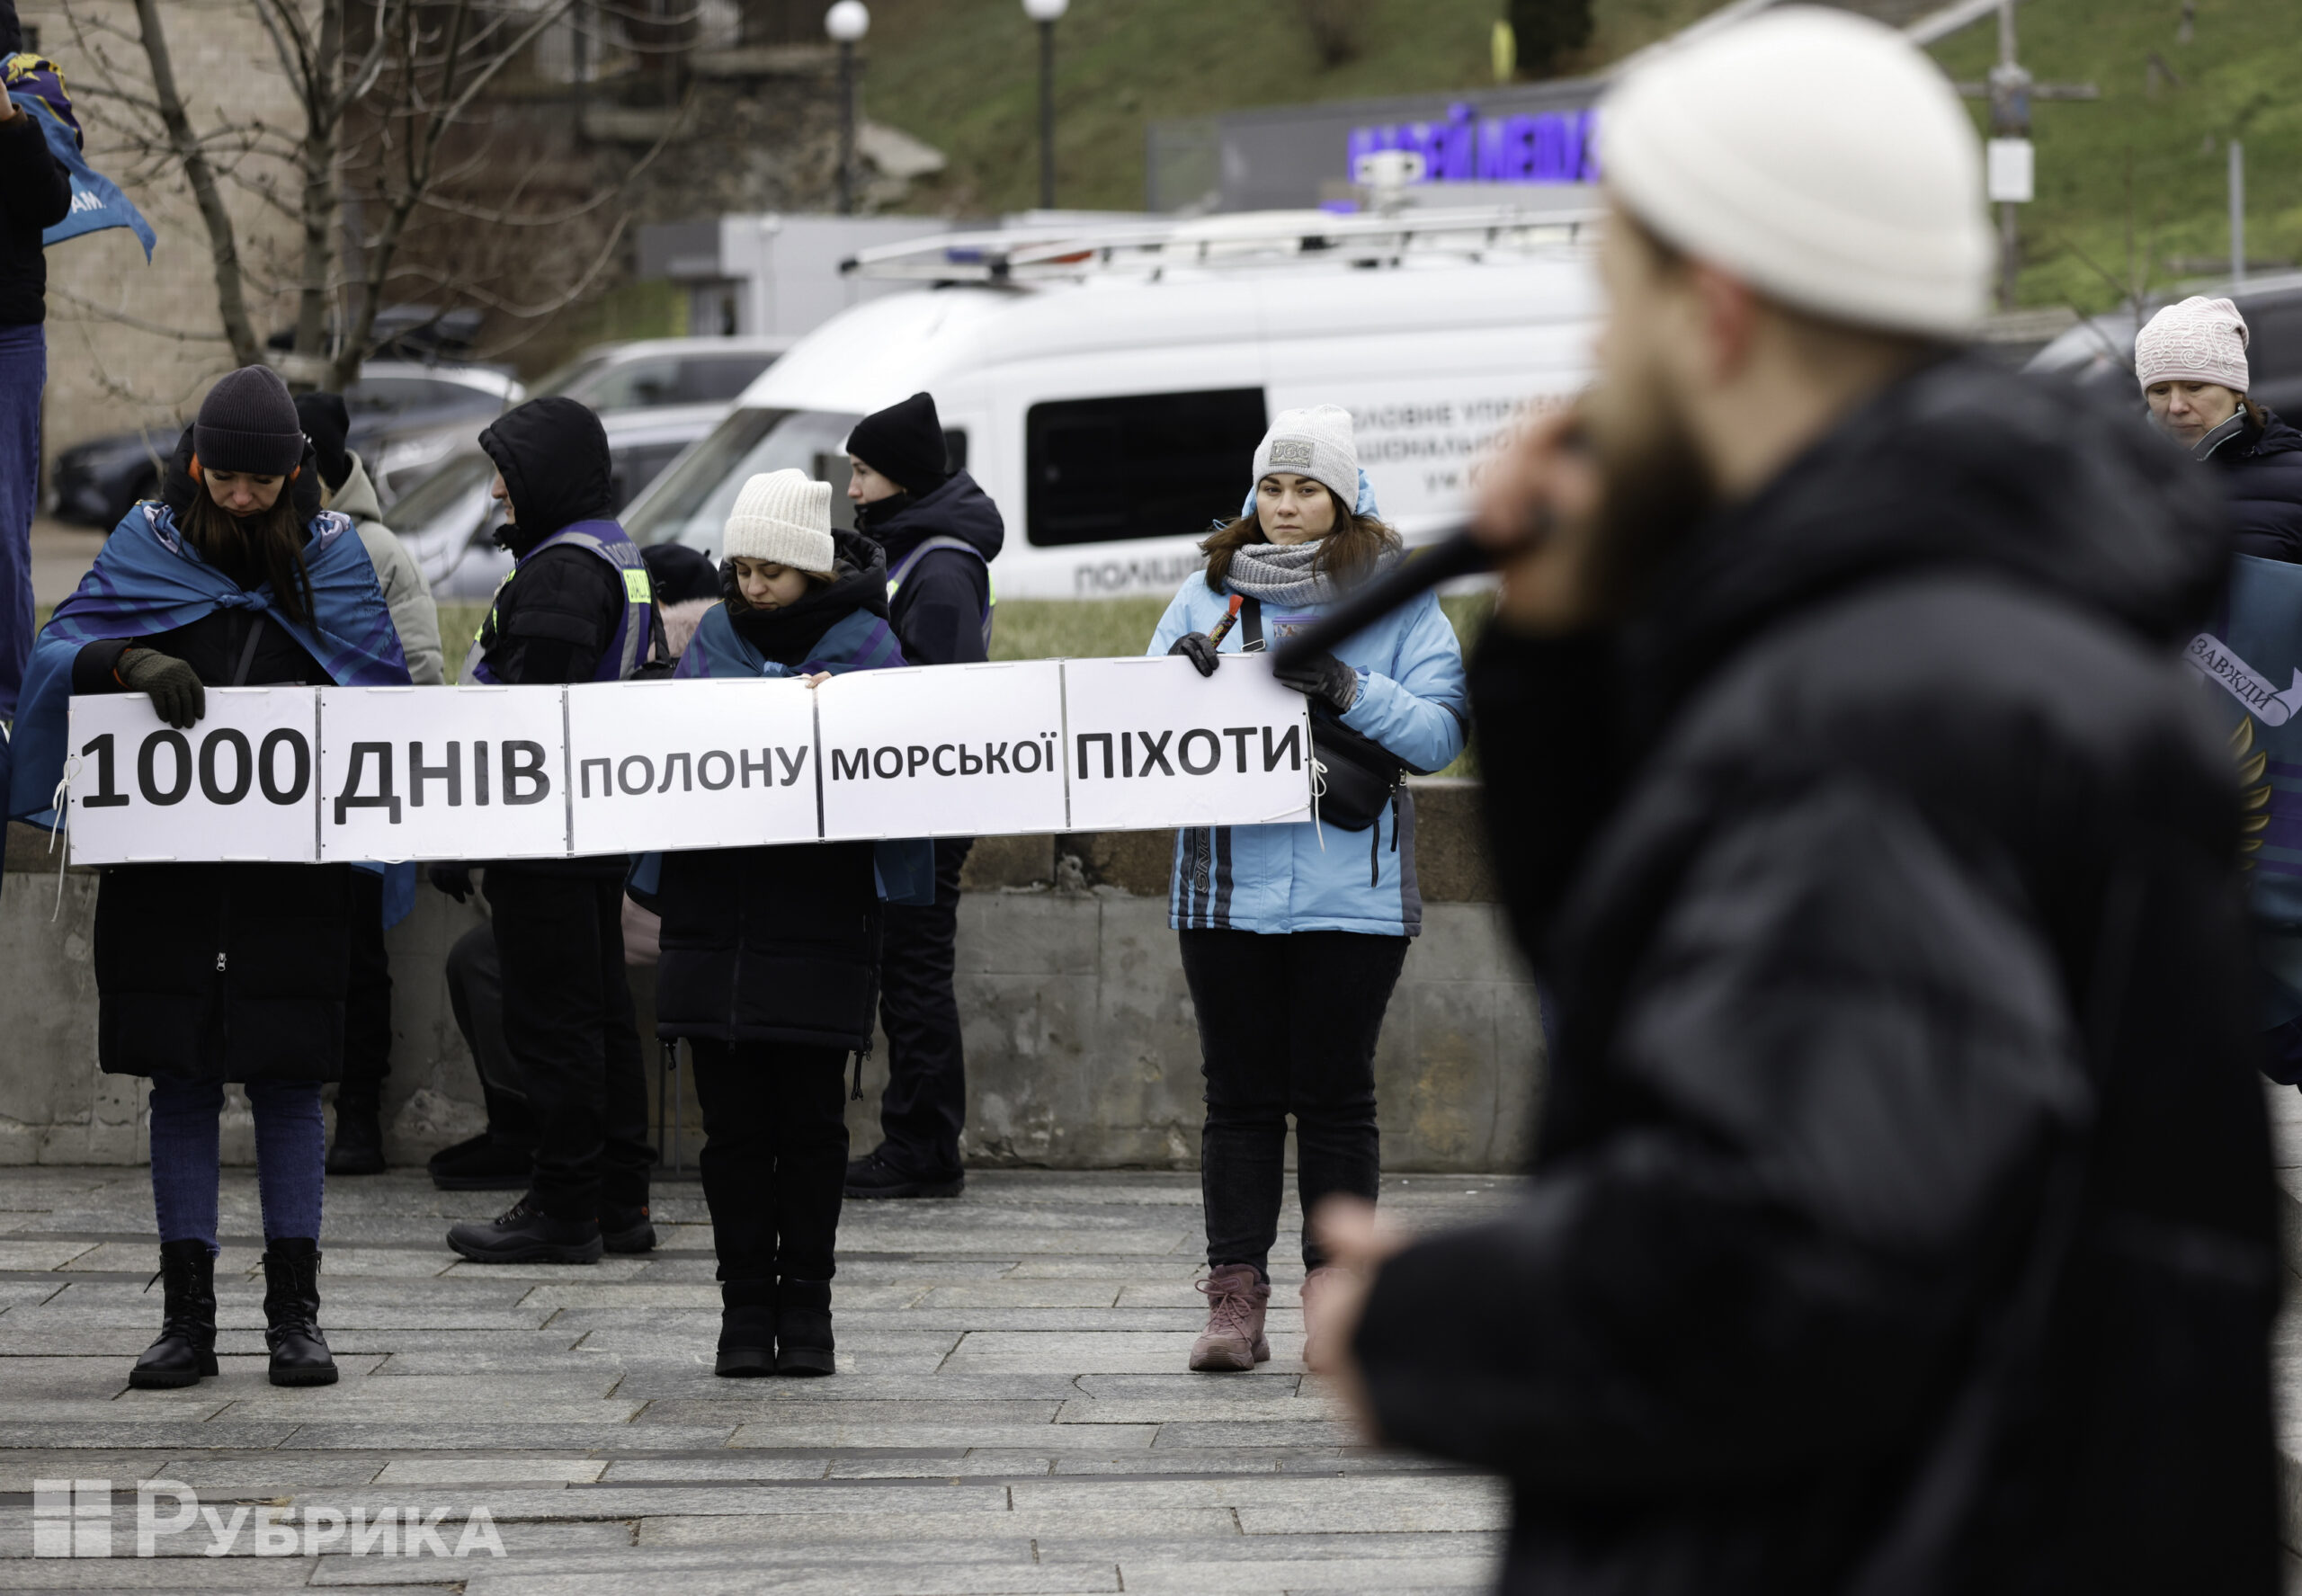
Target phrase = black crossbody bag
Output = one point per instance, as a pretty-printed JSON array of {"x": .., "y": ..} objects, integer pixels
[{"x": 1361, "y": 777}]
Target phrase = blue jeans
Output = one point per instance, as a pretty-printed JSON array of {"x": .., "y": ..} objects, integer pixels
[
  {"x": 289, "y": 1157},
  {"x": 23, "y": 373}
]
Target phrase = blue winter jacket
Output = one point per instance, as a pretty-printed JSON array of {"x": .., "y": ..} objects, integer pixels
[{"x": 1309, "y": 875}]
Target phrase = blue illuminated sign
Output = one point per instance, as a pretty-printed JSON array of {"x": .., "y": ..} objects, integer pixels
[{"x": 1544, "y": 146}]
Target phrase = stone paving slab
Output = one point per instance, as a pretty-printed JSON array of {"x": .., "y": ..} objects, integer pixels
[{"x": 1012, "y": 1412}]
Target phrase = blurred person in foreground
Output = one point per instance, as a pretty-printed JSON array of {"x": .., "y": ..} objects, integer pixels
[{"x": 1902, "y": 1219}]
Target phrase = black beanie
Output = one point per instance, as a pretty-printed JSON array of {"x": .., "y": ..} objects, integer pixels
[
  {"x": 247, "y": 423},
  {"x": 326, "y": 422},
  {"x": 904, "y": 443}
]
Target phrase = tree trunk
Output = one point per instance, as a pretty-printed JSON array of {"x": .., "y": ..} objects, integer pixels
[
  {"x": 223, "y": 241},
  {"x": 322, "y": 94}
]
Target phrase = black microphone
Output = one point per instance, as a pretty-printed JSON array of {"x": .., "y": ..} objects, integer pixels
[{"x": 1453, "y": 555}]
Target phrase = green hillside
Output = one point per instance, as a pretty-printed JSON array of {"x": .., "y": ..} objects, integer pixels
[
  {"x": 2133, "y": 185},
  {"x": 962, "y": 74}
]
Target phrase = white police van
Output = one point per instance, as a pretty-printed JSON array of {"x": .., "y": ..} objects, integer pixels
[{"x": 1108, "y": 387}]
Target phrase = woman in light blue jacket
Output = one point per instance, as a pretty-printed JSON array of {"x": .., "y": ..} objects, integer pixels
[{"x": 1293, "y": 936}]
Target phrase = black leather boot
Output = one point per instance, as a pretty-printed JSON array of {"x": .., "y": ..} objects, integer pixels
[
  {"x": 803, "y": 1327},
  {"x": 746, "y": 1329},
  {"x": 186, "y": 1349},
  {"x": 291, "y": 1314}
]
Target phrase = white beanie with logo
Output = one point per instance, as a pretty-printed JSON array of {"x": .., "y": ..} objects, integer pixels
[
  {"x": 783, "y": 517},
  {"x": 1314, "y": 443},
  {"x": 2199, "y": 340},
  {"x": 1818, "y": 156}
]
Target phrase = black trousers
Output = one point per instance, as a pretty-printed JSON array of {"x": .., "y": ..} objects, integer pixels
[
  {"x": 774, "y": 1155},
  {"x": 476, "y": 995},
  {"x": 568, "y": 1023},
  {"x": 1286, "y": 1025},
  {"x": 367, "y": 1000},
  {"x": 925, "y": 1103}
]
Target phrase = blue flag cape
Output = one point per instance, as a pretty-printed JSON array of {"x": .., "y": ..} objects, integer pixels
[
  {"x": 147, "y": 580},
  {"x": 860, "y": 642},
  {"x": 98, "y": 203}
]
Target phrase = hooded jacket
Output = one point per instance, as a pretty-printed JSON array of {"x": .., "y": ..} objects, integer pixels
[
  {"x": 2261, "y": 468},
  {"x": 1902, "y": 1217},
  {"x": 939, "y": 606},
  {"x": 553, "y": 622},
  {"x": 415, "y": 616},
  {"x": 777, "y": 944}
]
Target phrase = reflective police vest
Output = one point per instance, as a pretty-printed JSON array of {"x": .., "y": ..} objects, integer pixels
[{"x": 627, "y": 650}]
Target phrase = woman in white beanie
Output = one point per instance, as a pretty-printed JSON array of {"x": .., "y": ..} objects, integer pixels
[
  {"x": 770, "y": 956},
  {"x": 1293, "y": 936},
  {"x": 2190, "y": 361}
]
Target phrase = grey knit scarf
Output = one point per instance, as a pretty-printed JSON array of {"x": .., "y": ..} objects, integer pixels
[{"x": 1282, "y": 574}]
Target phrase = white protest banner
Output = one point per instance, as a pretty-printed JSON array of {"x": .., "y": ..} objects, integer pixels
[
  {"x": 945, "y": 751},
  {"x": 237, "y": 786},
  {"x": 442, "y": 772},
  {"x": 712, "y": 762},
  {"x": 1154, "y": 744}
]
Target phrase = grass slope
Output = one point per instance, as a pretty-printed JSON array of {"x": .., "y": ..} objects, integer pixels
[
  {"x": 2167, "y": 151},
  {"x": 962, "y": 74}
]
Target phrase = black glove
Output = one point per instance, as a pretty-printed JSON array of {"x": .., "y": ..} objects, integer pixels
[
  {"x": 303, "y": 489},
  {"x": 177, "y": 489},
  {"x": 1325, "y": 678},
  {"x": 177, "y": 696},
  {"x": 454, "y": 879},
  {"x": 1195, "y": 647}
]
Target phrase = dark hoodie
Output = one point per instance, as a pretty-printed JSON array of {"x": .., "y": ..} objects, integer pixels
[
  {"x": 2263, "y": 475},
  {"x": 1902, "y": 1197},
  {"x": 550, "y": 623},
  {"x": 938, "y": 611}
]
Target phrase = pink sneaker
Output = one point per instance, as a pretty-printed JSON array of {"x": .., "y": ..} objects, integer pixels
[
  {"x": 1233, "y": 1339},
  {"x": 1315, "y": 1284}
]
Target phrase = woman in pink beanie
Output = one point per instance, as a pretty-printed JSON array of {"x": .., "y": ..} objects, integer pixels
[{"x": 2191, "y": 362}]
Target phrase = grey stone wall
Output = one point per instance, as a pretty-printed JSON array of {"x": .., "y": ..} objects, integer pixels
[{"x": 1081, "y": 1051}]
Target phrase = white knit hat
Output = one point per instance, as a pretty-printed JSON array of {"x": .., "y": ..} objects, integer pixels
[
  {"x": 1820, "y": 156},
  {"x": 2199, "y": 340},
  {"x": 783, "y": 517},
  {"x": 1314, "y": 443}
]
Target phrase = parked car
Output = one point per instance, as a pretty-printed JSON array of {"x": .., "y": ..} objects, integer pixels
[
  {"x": 1112, "y": 412},
  {"x": 654, "y": 373},
  {"x": 2099, "y": 352},
  {"x": 96, "y": 481},
  {"x": 649, "y": 374},
  {"x": 449, "y": 521}
]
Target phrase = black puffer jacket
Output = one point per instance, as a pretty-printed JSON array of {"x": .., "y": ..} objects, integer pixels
[
  {"x": 221, "y": 972},
  {"x": 1903, "y": 1197},
  {"x": 2262, "y": 470},
  {"x": 938, "y": 611},
  {"x": 35, "y": 195},
  {"x": 778, "y": 944}
]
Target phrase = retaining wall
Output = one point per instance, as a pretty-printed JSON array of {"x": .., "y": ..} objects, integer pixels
[{"x": 1081, "y": 1052}]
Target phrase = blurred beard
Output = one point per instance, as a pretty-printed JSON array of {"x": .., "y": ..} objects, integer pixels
[{"x": 1655, "y": 489}]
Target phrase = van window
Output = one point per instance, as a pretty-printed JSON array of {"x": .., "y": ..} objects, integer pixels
[
  {"x": 1148, "y": 466},
  {"x": 689, "y": 503}
]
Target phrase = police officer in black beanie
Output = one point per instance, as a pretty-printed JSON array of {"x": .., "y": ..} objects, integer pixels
[{"x": 940, "y": 532}]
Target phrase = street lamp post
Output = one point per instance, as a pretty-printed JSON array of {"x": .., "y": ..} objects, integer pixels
[
  {"x": 1046, "y": 12},
  {"x": 847, "y": 22}
]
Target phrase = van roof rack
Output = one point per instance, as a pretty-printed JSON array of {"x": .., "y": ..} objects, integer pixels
[{"x": 1240, "y": 239}]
